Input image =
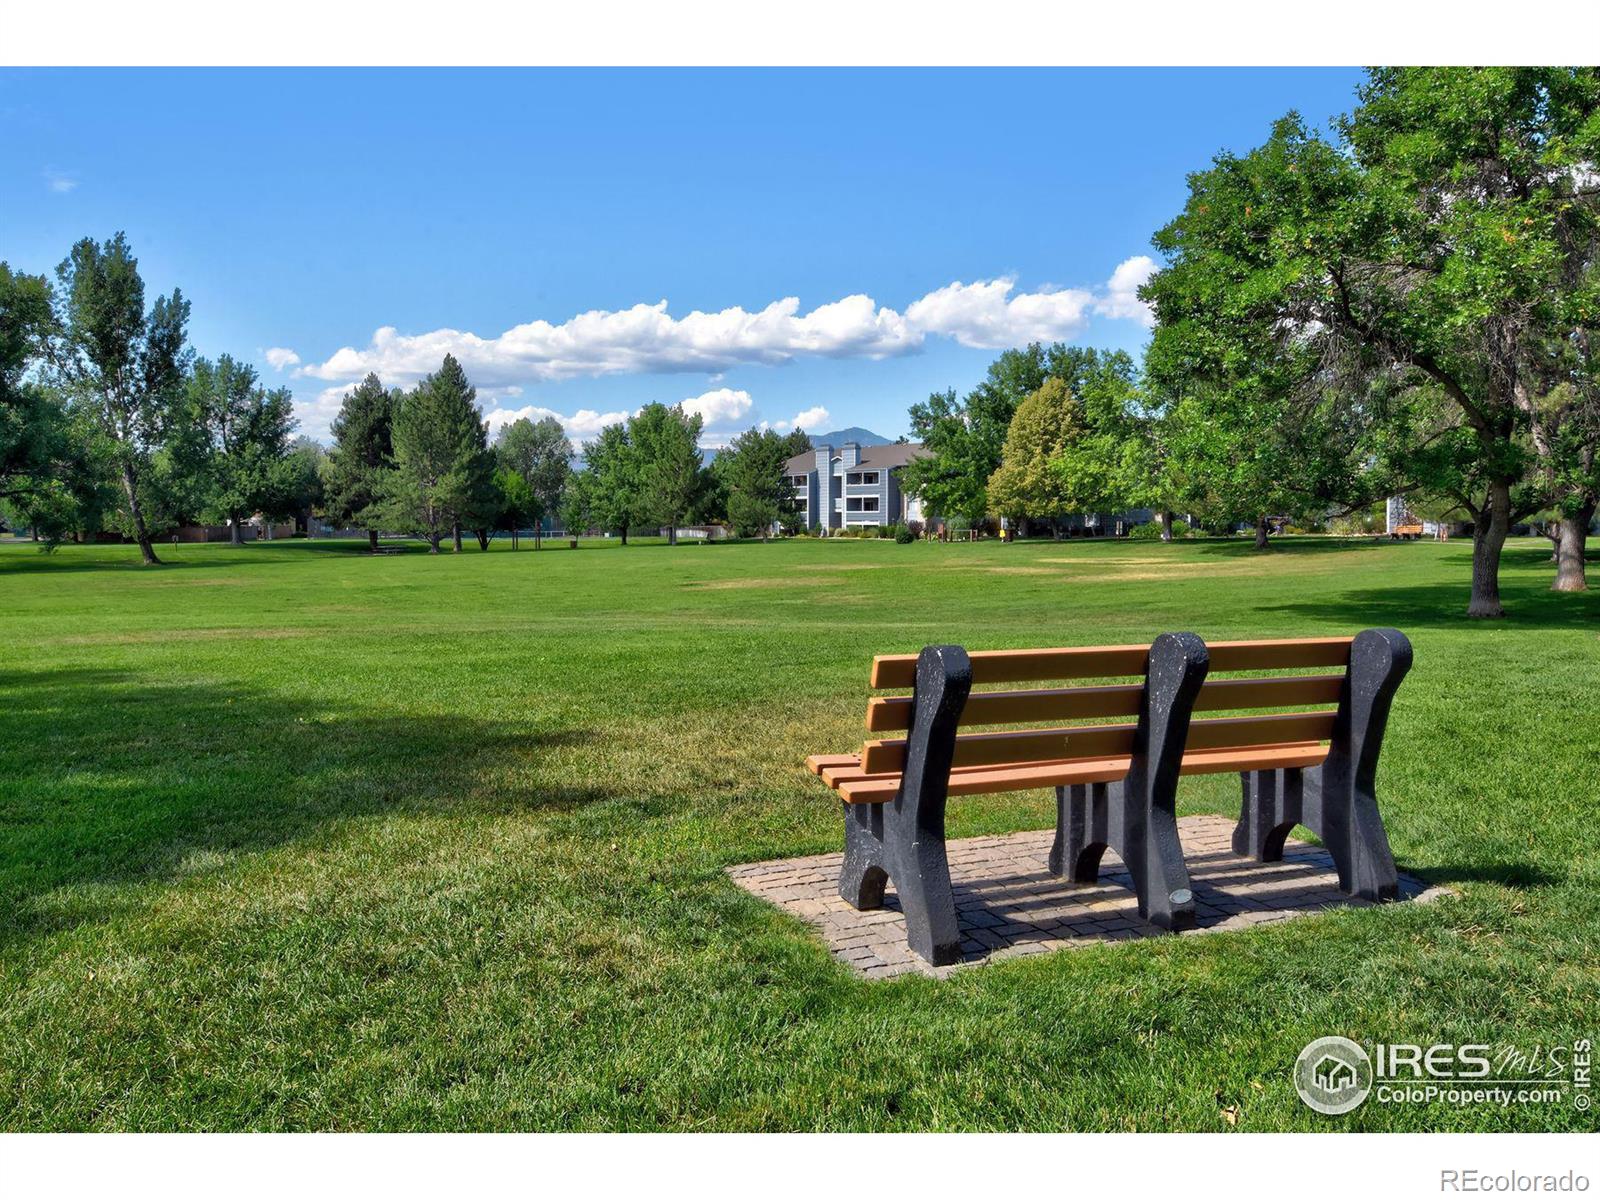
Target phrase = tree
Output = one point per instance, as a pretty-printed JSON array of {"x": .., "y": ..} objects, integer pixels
[
  {"x": 611, "y": 485},
  {"x": 542, "y": 455},
  {"x": 1470, "y": 259},
  {"x": 248, "y": 430},
  {"x": 121, "y": 366},
  {"x": 1445, "y": 246},
  {"x": 965, "y": 439},
  {"x": 667, "y": 444},
  {"x": 46, "y": 481},
  {"x": 305, "y": 473},
  {"x": 444, "y": 474},
  {"x": 758, "y": 491},
  {"x": 29, "y": 421},
  {"x": 577, "y": 509},
  {"x": 362, "y": 456},
  {"x": 517, "y": 502},
  {"x": 1031, "y": 482}
]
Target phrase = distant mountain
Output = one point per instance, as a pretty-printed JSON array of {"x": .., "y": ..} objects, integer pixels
[{"x": 861, "y": 437}]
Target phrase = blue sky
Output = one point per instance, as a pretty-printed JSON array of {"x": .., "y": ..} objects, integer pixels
[{"x": 851, "y": 240}]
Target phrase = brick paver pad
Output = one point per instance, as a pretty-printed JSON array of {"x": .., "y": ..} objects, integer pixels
[{"x": 1009, "y": 904}]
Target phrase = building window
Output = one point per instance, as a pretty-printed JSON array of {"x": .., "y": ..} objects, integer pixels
[
  {"x": 798, "y": 480},
  {"x": 870, "y": 478},
  {"x": 852, "y": 479},
  {"x": 869, "y": 504}
]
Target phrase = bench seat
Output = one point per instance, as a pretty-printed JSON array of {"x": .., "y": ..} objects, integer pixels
[
  {"x": 1116, "y": 781},
  {"x": 843, "y": 773}
]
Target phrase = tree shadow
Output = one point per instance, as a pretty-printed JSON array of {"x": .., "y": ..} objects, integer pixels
[
  {"x": 1445, "y": 605},
  {"x": 112, "y": 779}
]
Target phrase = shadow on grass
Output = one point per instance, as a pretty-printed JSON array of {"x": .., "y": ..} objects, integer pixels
[
  {"x": 1445, "y": 605},
  {"x": 110, "y": 780},
  {"x": 1519, "y": 876}
]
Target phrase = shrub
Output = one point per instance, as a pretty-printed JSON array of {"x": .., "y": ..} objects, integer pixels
[
  {"x": 1150, "y": 531},
  {"x": 904, "y": 536},
  {"x": 914, "y": 528}
]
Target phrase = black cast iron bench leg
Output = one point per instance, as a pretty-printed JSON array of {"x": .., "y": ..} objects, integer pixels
[
  {"x": 1337, "y": 800},
  {"x": 1135, "y": 816},
  {"x": 903, "y": 839}
]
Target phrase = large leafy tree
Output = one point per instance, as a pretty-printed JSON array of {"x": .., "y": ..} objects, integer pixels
[
  {"x": 362, "y": 456},
  {"x": 122, "y": 367},
  {"x": 443, "y": 480},
  {"x": 1470, "y": 258},
  {"x": 248, "y": 429},
  {"x": 1027, "y": 484},
  {"x": 965, "y": 439},
  {"x": 44, "y": 476},
  {"x": 517, "y": 503},
  {"x": 541, "y": 453},
  {"x": 610, "y": 493},
  {"x": 666, "y": 442},
  {"x": 1446, "y": 246}
]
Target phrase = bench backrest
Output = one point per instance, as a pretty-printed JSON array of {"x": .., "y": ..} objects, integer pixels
[{"x": 1075, "y": 719}]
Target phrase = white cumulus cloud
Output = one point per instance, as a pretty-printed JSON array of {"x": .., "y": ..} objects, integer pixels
[
  {"x": 987, "y": 316},
  {"x": 1121, "y": 296},
  {"x": 720, "y": 407},
  {"x": 647, "y": 339},
  {"x": 581, "y": 426}
]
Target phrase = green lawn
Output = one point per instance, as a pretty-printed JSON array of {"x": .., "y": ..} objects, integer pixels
[{"x": 293, "y": 837}]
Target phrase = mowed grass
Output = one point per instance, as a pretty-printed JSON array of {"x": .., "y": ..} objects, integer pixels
[{"x": 296, "y": 838}]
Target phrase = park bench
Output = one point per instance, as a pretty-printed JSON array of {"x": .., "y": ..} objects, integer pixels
[{"x": 1116, "y": 782}]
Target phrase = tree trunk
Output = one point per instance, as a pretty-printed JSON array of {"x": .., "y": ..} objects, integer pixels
[
  {"x": 1262, "y": 529},
  {"x": 455, "y": 536},
  {"x": 536, "y": 532},
  {"x": 372, "y": 541},
  {"x": 1055, "y": 530},
  {"x": 140, "y": 532},
  {"x": 624, "y": 535},
  {"x": 1166, "y": 525},
  {"x": 1489, "y": 528},
  {"x": 235, "y": 532},
  {"x": 1571, "y": 542},
  {"x": 483, "y": 538},
  {"x": 433, "y": 542},
  {"x": 672, "y": 532}
]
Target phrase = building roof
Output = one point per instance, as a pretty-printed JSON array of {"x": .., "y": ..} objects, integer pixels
[{"x": 884, "y": 458}]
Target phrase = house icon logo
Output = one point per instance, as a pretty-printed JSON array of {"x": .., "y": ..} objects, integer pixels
[{"x": 1333, "y": 1075}]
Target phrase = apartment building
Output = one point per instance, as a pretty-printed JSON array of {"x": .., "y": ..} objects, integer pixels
[{"x": 842, "y": 487}]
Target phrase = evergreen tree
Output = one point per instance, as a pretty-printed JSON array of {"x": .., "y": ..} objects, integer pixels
[
  {"x": 758, "y": 491},
  {"x": 444, "y": 474},
  {"x": 362, "y": 456}
]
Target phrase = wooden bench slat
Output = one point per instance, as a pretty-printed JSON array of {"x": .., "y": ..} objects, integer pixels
[
  {"x": 888, "y": 713},
  {"x": 1093, "y": 741},
  {"x": 1273, "y": 654},
  {"x": 879, "y": 789},
  {"x": 1095, "y": 662},
  {"x": 1016, "y": 666}
]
